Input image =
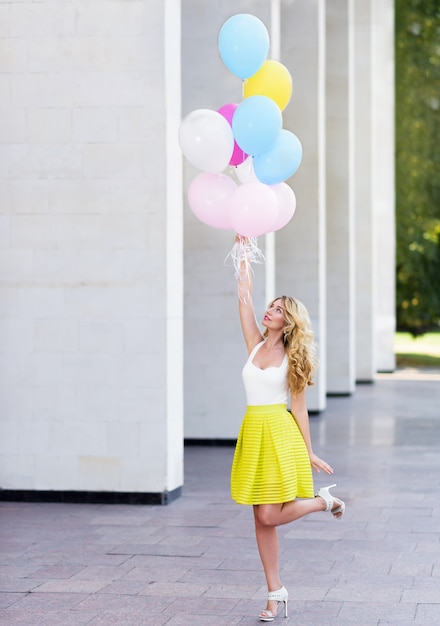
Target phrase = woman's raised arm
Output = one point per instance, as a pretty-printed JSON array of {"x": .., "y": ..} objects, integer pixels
[{"x": 251, "y": 332}]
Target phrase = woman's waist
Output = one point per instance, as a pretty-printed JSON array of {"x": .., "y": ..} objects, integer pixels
[
  {"x": 254, "y": 398},
  {"x": 264, "y": 409}
]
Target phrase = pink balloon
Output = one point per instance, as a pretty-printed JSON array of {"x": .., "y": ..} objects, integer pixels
[
  {"x": 228, "y": 110},
  {"x": 209, "y": 196},
  {"x": 253, "y": 209},
  {"x": 286, "y": 204}
]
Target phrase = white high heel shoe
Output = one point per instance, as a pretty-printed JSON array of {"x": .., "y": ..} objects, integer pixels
[
  {"x": 330, "y": 501},
  {"x": 281, "y": 596}
]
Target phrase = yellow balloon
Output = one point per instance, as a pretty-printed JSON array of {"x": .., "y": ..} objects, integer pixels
[{"x": 272, "y": 80}]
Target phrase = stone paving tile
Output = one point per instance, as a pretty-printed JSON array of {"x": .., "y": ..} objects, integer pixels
[
  {"x": 376, "y": 611},
  {"x": 315, "y": 613},
  {"x": 218, "y": 576},
  {"x": 305, "y": 590},
  {"x": 48, "y": 601},
  {"x": 20, "y": 584},
  {"x": 253, "y": 621},
  {"x": 430, "y": 547},
  {"x": 237, "y": 564},
  {"x": 228, "y": 545},
  {"x": 411, "y": 569},
  {"x": 199, "y": 533},
  {"x": 58, "y": 571},
  {"x": 105, "y": 572},
  {"x": 121, "y": 518},
  {"x": 125, "y": 603},
  {"x": 76, "y": 554},
  {"x": 177, "y": 589},
  {"x": 72, "y": 586},
  {"x": 428, "y": 614},
  {"x": 124, "y": 587},
  {"x": 150, "y": 575},
  {"x": 157, "y": 550},
  {"x": 188, "y": 562},
  {"x": 117, "y": 618},
  {"x": 232, "y": 591},
  {"x": 313, "y": 567},
  {"x": 107, "y": 560},
  {"x": 377, "y": 564},
  {"x": 112, "y": 534},
  {"x": 400, "y": 622},
  {"x": 346, "y": 591},
  {"x": 202, "y": 606},
  {"x": 425, "y": 582},
  {"x": 422, "y": 596},
  {"x": 201, "y": 520},
  {"x": 13, "y": 572},
  {"x": 8, "y": 554},
  {"x": 296, "y": 579},
  {"x": 44, "y": 618},
  {"x": 8, "y": 599},
  {"x": 173, "y": 540},
  {"x": 202, "y": 620}
]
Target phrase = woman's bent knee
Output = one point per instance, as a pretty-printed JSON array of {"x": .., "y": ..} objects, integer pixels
[{"x": 268, "y": 514}]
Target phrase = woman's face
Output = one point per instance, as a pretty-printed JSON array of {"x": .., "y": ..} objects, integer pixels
[{"x": 274, "y": 316}]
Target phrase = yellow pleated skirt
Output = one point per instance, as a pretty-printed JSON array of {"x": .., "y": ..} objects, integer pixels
[{"x": 271, "y": 464}]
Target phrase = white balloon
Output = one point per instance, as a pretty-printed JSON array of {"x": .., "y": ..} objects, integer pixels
[
  {"x": 206, "y": 139},
  {"x": 245, "y": 171}
]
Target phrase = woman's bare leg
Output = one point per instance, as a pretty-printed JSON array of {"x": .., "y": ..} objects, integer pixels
[
  {"x": 267, "y": 518},
  {"x": 268, "y": 547},
  {"x": 279, "y": 514}
]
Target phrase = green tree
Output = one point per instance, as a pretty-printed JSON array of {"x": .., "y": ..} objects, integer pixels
[{"x": 418, "y": 164}]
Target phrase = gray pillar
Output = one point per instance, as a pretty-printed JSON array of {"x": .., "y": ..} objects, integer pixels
[
  {"x": 383, "y": 180},
  {"x": 300, "y": 247},
  {"x": 214, "y": 348},
  {"x": 340, "y": 206},
  {"x": 364, "y": 224},
  {"x": 91, "y": 350},
  {"x": 174, "y": 247}
]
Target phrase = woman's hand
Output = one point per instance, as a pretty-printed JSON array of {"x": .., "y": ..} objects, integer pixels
[
  {"x": 319, "y": 464},
  {"x": 242, "y": 238}
]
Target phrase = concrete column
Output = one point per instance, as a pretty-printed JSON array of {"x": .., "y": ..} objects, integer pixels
[
  {"x": 174, "y": 248},
  {"x": 270, "y": 238},
  {"x": 364, "y": 218},
  {"x": 340, "y": 205},
  {"x": 214, "y": 348},
  {"x": 301, "y": 245},
  {"x": 384, "y": 180},
  {"x": 91, "y": 282}
]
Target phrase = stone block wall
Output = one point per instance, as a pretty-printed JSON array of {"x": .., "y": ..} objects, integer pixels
[{"x": 85, "y": 247}]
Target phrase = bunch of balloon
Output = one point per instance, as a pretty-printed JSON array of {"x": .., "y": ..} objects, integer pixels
[{"x": 246, "y": 139}]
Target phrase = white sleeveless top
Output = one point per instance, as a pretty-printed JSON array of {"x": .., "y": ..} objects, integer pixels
[{"x": 268, "y": 386}]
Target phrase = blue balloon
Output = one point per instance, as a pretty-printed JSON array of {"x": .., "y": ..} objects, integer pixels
[
  {"x": 281, "y": 161},
  {"x": 243, "y": 43},
  {"x": 256, "y": 124}
]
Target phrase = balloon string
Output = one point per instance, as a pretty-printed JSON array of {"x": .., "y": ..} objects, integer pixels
[{"x": 244, "y": 252}]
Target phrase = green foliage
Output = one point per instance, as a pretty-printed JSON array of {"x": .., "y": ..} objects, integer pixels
[
  {"x": 418, "y": 164},
  {"x": 417, "y": 351}
]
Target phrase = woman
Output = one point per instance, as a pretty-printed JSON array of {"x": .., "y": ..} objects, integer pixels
[{"x": 273, "y": 456}]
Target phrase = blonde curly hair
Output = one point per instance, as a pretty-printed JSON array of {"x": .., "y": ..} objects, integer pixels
[{"x": 299, "y": 345}]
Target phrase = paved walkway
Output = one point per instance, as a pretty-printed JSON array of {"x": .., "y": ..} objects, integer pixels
[{"x": 195, "y": 561}]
